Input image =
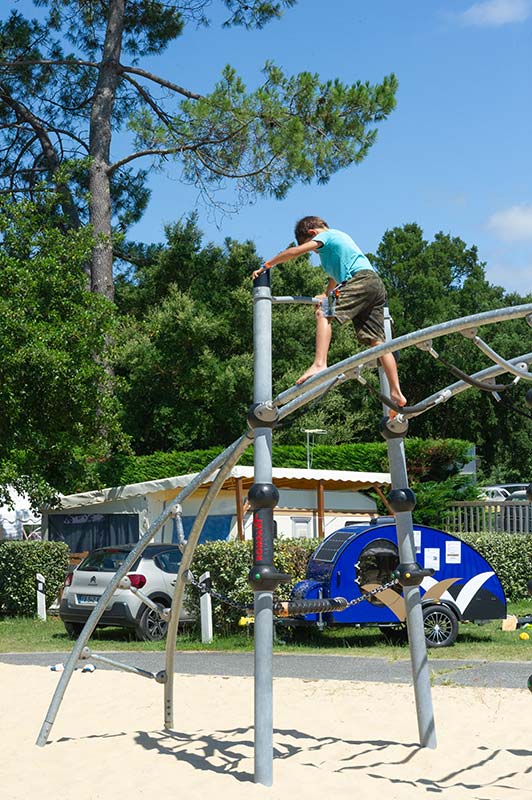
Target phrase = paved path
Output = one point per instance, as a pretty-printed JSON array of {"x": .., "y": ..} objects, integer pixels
[{"x": 509, "y": 674}]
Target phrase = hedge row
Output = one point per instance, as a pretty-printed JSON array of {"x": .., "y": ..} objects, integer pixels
[
  {"x": 427, "y": 460},
  {"x": 19, "y": 564},
  {"x": 510, "y": 555}
]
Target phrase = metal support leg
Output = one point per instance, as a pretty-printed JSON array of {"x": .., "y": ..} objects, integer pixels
[{"x": 414, "y": 613}]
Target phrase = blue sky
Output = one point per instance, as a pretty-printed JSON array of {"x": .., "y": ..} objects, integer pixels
[{"x": 454, "y": 156}]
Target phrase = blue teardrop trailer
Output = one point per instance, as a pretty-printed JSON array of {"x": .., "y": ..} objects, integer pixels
[{"x": 357, "y": 558}]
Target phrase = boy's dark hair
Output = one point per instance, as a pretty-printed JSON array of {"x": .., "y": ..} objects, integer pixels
[{"x": 304, "y": 226}]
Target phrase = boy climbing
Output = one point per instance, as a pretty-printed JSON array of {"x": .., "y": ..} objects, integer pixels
[{"x": 361, "y": 295}]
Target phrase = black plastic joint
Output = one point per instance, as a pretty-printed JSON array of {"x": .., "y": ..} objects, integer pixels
[
  {"x": 266, "y": 578},
  {"x": 262, "y": 280},
  {"x": 402, "y": 500},
  {"x": 411, "y": 574},
  {"x": 262, "y": 415},
  {"x": 263, "y": 495},
  {"x": 392, "y": 428}
]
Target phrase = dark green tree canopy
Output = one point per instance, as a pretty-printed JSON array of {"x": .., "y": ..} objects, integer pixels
[{"x": 55, "y": 419}]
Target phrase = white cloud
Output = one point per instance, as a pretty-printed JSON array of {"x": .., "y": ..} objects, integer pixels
[
  {"x": 512, "y": 224},
  {"x": 493, "y": 13}
]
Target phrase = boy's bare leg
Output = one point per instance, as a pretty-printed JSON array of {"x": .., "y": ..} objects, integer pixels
[
  {"x": 389, "y": 365},
  {"x": 323, "y": 340}
]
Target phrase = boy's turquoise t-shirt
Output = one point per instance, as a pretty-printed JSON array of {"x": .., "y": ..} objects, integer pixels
[{"x": 340, "y": 256}]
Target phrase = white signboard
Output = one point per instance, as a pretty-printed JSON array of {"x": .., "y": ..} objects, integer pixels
[
  {"x": 453, "y": 552},
  {"x": 432, "y": 558}
]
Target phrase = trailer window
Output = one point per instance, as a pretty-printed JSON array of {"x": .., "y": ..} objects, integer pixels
[{"x": 376, "y": 564}]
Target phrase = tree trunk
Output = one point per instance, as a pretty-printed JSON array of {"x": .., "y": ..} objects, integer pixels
[{"x": 100, "y": 148}]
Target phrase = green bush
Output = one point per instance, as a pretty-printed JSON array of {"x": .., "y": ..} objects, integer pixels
[
  {"x": 510, "y": 555},
  {"x": 229, "y": 564},
  {"x": 19, "y": 563},
  {"x": 427, "y": 460}
]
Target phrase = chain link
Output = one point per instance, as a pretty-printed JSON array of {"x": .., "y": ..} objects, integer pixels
[{"x": 190, "y": 579}]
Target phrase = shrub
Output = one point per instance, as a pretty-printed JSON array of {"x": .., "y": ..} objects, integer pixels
[
  {"x": 427, "y": 460},
  {"x": 19, "y": 563},
  {"x": 229, "y": 564}
]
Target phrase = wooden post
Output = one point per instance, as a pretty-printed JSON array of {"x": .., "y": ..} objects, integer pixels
[
  {"x": 239, "y": 509},
  {"x": 321, "y": 510},
  {"x": 383, "y": 498}
]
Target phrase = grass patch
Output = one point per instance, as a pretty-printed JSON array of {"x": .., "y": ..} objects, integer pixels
[{"x": 485, "y": 643}]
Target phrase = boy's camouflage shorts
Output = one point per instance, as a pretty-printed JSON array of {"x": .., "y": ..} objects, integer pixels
[{"x": 362, "y": 300}]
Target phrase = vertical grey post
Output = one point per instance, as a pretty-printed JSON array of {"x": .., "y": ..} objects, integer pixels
[
  {"x": 407, "y": 555},
  {"x": 263, "y": 497}
]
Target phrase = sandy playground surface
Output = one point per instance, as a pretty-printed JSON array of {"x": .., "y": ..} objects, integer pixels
[{"x": 332, "y": 739}]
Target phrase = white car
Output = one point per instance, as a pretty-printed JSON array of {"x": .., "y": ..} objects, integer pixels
[
  {"x": 494, "y": 492},
  {"x": 155, "y": 573}
]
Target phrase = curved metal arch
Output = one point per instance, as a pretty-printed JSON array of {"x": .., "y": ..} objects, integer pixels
[{"x": 402, "y": 342}]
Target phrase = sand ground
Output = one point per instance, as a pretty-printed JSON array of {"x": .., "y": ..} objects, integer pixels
[{"x": 332, "y": 739}]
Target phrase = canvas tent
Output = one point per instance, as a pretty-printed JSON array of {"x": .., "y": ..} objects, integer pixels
[
  {"x": 312, "y": 503},
  {"x": 19, "y": 521}
]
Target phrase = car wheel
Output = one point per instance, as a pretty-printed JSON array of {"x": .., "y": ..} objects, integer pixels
[
  {"x": 151, "y": 628},
  {"x": 73, "y": 629},
  {"x": 441, "y": 626}
]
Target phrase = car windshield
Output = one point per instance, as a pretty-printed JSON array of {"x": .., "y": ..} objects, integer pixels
[{"x": 108, "y": 560}]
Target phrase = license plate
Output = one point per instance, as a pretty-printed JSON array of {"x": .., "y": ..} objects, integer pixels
[{"x": 88, "y": 599}]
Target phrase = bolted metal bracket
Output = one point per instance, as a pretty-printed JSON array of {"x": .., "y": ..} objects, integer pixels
[
  {"x": 411, "y": 574},
  {"x": 470, "y": 333},
  {"x": 393, "y": 427},
  {"x": 263, "y": 415}
]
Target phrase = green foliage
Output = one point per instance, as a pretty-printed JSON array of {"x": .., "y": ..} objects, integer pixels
[
  {"x": 291, "y": 129},
  {"x": 428, "y": 461},
  {"x": 19, "y": 564},
  {"x": 510, "y": 555},
  {"x": 229, "y": 564},
  {"x": 56, "y": 417},
  {"x": 433, "y": 498}
]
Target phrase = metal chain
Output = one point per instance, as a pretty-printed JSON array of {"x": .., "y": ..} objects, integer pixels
[
  {"x": 209, "y": 590},
  {"x": 227, "y": 600},
  {"x": 374, "y": 591}
]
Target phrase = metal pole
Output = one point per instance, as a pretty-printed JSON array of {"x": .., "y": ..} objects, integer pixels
[
  {"x": 263, "y": 600},
  {"x": 407, "y": 555},
  {"x": 263, "y": 497}
]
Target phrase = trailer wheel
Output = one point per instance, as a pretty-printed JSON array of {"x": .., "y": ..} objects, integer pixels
[
  {"x": 441, "y": 626},
  {"x": 394, "y": 634}
]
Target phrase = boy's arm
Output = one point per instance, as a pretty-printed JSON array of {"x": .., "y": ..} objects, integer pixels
[{"x": 288, "y": 255}]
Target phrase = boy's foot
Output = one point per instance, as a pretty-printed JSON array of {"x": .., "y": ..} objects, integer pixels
[
  {"x": 311, "y": 371},
  {"x": 399, "y": 399}
]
